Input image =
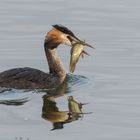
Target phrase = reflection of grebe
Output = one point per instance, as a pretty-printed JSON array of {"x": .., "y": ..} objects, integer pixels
[
  {"x": 58, "y": 118},
  {"x": 29, "y": 78}
]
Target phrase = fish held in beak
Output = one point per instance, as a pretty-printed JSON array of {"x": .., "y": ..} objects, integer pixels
[{"x": 77, "y": 50}]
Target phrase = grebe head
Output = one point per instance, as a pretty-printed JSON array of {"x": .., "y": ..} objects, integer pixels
[
  {"x": 66, "y": 35},
  {"x": 60, "y": 35},
  {"x": 70, "y": 35}
]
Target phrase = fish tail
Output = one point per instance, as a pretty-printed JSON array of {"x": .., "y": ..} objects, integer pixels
[{"x": 72, "y": 67}]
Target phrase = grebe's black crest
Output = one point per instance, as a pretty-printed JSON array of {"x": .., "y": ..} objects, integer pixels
[{"x": 63, "y": 29}]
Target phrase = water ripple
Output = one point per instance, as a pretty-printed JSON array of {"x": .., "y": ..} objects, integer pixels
[{"x": 14, "y": 97}]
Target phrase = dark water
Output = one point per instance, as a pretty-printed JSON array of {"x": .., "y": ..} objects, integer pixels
[{"x": 111, "y": 82}]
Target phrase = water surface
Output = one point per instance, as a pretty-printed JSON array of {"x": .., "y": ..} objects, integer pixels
[{"x": 111, "y": 87}]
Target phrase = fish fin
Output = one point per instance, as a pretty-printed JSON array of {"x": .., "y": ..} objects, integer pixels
[{"x": 84, "y": 52}]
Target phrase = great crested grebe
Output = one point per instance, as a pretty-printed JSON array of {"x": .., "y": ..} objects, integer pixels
[{"x": 30, "y": 78}]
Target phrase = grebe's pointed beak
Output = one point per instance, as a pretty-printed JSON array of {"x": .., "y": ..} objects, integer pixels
[{"x": 74, "y": 39}]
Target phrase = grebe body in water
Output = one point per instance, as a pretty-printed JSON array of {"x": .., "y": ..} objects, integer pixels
[{"x": 29, "y": 78}]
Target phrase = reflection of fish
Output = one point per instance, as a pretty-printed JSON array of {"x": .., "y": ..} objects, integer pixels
[
  {"x": 76, "y": 51},
  {"x": 74, "y": 106}
]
